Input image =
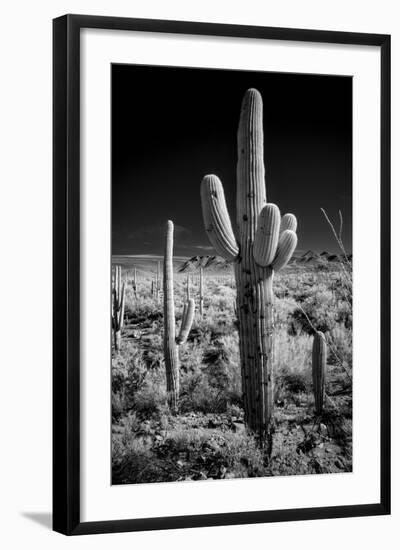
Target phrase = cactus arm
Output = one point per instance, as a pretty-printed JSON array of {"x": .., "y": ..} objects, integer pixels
[
  {"x": 187, "y": 320},
  {"x": 122, "y": 307},
  {"x": 286, "y": 247},
  {"x": 267, "y": 235},
  {"x": 289, "y": 221},
  {"x": 318, "y": 370},
  {"x": 188, "y": 287},
  {"x": 185, "y": 305},
  {"x": 216, "y": 218}
]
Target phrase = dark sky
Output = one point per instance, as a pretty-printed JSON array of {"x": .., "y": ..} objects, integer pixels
[{"x": 171, "y": 126}]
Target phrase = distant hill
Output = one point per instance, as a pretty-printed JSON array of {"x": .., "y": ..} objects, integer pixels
[
  {"x": 148, "y": 263},
  {"x": 309, "y": 258},
  {"x": 313, "y": 258},
  {"x": 207, "y": 262}
]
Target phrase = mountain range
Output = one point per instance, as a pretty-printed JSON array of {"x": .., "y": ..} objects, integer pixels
[{"x": 311, "y": 258}]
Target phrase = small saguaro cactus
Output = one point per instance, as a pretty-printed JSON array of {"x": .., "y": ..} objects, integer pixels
[
  {"x": 171, "y": 341},
  {"x": 118, "y": 307},
  {"x": 318, "y": 370},
  {"x": 134, "y": 283},
  {"x": 262, "y": 244},
  {"x": 201, "y": 291},
  {"x": 158, "y": 282}
]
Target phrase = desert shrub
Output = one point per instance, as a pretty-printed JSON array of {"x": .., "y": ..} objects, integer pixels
[
  {"x": 198, "y": 395},
  {"x": 128, "y": 377},
  {"x": 192, "y": 439},
  {"x": 134, "y": 462},
  {"x": 284, "y": 309},
  {"x": 340, "y": 346},
  {"x": 323, "y": 313},
  {"x": 242, "y": 456},
  {"x": 151, "y": 398},
  {"x": 295, "y": 383},
  {"x": 117, "y": 406},
  {"x": 143, "y": 309},
  {"x": 221, "y": 454},
  {"x": 293, "y": 363},
  {"x": 210, "y": 378},
  {"x": 235, "y": 410}
]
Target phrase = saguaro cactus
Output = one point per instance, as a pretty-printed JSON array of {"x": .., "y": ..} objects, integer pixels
[
  {"x": 201, "y": 291},
  {"x": 118, "y": 307},
  {"x": 134, "y": 283},
  {"x": 318, "y": 370},
  {"x": 158, "y": 282},
  {"x": 171, "y": 342},
  {"x": 262, "y": 244}
]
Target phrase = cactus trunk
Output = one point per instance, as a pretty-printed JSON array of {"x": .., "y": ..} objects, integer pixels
[
  {"x": 118, "y": 306},
  {"x": 255, "y": 315},
  {"x": 171, "y": 342},
  {"x": 170, "y": 347},
  {"x": 201, "y": 291},
  {"x": 254, "y": 283},
  {"x": 318, "y": 370}
]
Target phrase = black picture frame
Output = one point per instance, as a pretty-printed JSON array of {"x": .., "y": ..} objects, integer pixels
[{"x": 66, "y": 273}]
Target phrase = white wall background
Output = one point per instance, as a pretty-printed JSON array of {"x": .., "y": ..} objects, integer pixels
[{"x": 25, "y": 217}]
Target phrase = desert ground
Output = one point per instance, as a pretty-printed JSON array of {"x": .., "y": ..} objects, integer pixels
[{"x": 207, "y": 438}]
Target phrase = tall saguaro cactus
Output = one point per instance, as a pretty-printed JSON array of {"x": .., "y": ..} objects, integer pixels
[
  {"x": 318, "y": 370},
  {"x": 118, "y": 307},
  {"x": 262, "y": 244},
  {"x": 171, "y": 341}
]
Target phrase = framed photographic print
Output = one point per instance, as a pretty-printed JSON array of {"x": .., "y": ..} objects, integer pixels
[{"x": 221, "y": 274}]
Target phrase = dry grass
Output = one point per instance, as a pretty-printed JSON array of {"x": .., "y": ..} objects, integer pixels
[{"x": 208, "y": 439}]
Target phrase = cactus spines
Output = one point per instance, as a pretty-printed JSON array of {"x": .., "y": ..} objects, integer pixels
[
  {"x": 318, "y": 370},
  {"x": 258, "y": 250},
  {"x": 289, "y": 222},
  {"x": 118, "y": 307},
  {"x": 171, "y": 343},
  {"x": 216, "y": 218}
]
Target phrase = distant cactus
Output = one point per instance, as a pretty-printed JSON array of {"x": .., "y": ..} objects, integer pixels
[
  {"x": 158, "y": 282},
  {"x": 201, "y": 292},
  {"x": 118, "y": 307},
  {"x": 258, "y": 249},
  {"x": 134, "y": 283},
  {"x": 171, "y": 342},
  {"x": 318, "y": 370}
]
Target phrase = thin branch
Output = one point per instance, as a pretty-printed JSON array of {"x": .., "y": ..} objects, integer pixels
[
  {"x": 341, "y": 225},
  {"x": 329, "y": 344},
  {"x": 338, "y": 237}
]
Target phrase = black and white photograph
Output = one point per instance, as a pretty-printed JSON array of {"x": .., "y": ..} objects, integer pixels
[{"x": 231, "y": 296}]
